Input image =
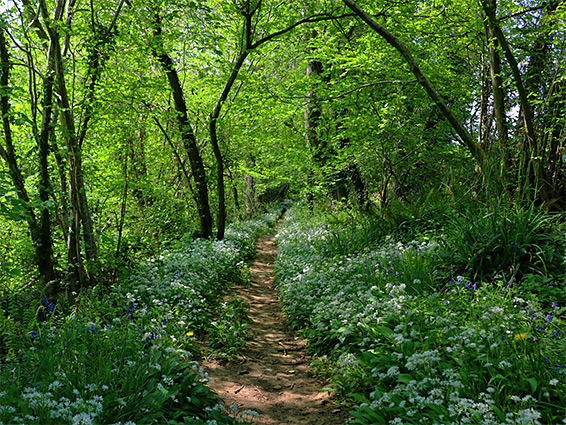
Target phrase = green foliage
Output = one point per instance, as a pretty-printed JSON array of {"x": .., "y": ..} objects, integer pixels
[
  {"x": 127, "y": 353},
  {"x": 107, "y": 374},
  {"x": 408, "y": 343},
  {"x": 507, "y": 241},
  {"x": 373, "y": 116},
  {"x": 228, "y": 331},
  {"x": 420, "y": 217}
]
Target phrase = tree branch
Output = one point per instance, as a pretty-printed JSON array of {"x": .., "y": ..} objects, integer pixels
[
  {"x": 177, "y": 156},
  {"x": 309, "y": 19},
  {"x": 466, "y": 137}
]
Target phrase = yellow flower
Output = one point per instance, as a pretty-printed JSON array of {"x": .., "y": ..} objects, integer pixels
[
  {"x": 520, "y": 336},
  {"x": 190, "y": 333}
]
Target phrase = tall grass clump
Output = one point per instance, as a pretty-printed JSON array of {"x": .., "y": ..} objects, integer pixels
[
  {"x": 516, "y": 245},
  {"x": 128, "y": 354},
  {"x": 411, "y": 343}
]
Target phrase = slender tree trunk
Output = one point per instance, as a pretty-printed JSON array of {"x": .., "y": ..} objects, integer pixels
[
  {"x": 42, "y": 244},
  {"x": 533, "y": 159},
  {"x": 221, "y": 218},
  {"x": 234, "y": 191},
  {"x": 43, "y": 154},
  {"x": 122, "y": 218},
  {"x": 79, "y": 204},
  {"x": 61, "y": 204},
  {"x": 498, "y": 95},
  {"x": 553, "y": 187},
  {"x": 248, "y": 10},
  {"x": 548, "y": 114},
  {"x": 186, "y": 130},
  {"x": 485, "y": 119},
  {"x": 466, "y": 138},
  {"x": 250, "y": 201}
]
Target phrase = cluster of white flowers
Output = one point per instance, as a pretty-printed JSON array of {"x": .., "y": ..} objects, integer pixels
[
  {"x": 61, "y": 410},
  {"x": 166, "y": 298},
  {"x": 367, "y": 303}
]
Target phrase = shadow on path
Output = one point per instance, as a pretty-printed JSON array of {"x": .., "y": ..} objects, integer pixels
[{"x": 271, "y": 376}]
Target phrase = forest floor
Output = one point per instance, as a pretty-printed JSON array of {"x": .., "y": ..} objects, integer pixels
[{"x": 272, "y": 374}]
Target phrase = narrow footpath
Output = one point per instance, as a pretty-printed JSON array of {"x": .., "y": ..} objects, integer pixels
[{"x": 271, "y": 377}]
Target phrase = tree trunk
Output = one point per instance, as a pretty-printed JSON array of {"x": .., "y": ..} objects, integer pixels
[
  {"x": 186, "y": 130},
  {"x": 250, "y": 201},
  {"x": 466, "y": 138},
  {"x": 40, "y": 232},
  {"x": 497, "y": 92},
  {"x": 43, "y": 154},
  {"x": 549, "y": 115},
  {"x": 485, "y": 119},
  {"x": 79, "y": 203},
  {"x": 221, "y": 218},
  {"x": 313, "y": 113}
]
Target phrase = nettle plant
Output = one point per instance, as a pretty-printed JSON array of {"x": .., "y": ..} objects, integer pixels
[
  {"x": 127, "y": 355},
  {"x": 410, "y": 347}
]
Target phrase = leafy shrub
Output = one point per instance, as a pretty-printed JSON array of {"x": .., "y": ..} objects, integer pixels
[
  {"x": 229, "y": 331},
  {"x": 105, "y": 374},
  {"x": 410, "y": 219},
  {"x": 126, "y": 354}
]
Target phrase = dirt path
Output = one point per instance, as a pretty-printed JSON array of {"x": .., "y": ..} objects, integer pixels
[{"x": 271, "y": 376}]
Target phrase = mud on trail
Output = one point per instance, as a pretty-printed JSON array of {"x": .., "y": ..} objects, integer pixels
[{"x": 271, "y": 376}]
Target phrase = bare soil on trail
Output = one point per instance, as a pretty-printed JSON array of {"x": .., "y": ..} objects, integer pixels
[{"x": 271, "y": 376}]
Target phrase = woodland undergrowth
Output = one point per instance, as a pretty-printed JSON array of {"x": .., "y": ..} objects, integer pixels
[
  {"x": 128, "y": 353},
  {"x": 464, "y": 323}
]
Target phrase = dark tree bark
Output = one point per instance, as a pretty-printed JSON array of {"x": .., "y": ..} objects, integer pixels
[
  {"x": 40, "y": 232},
  {"x": 466, "y": 138},
  {"x": 185, "y": 129},
  {"x": 486, "y": 117}
]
